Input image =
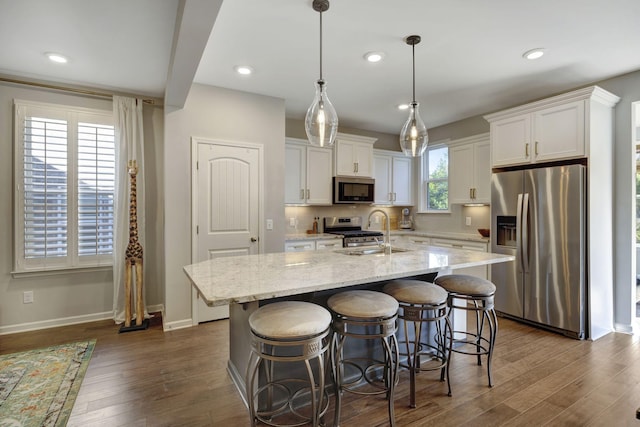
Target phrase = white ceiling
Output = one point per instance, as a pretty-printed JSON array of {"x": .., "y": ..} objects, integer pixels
[{"x": 468, "y": 63}]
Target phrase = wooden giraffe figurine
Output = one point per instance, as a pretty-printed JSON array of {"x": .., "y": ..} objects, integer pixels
[{"x": 133, "y": 256}]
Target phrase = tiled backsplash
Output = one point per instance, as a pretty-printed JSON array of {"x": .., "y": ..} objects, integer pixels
[{"x": 299, "y": 219}]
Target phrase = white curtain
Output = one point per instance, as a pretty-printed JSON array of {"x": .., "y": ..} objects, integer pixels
[{"x": 127, "y": 114}]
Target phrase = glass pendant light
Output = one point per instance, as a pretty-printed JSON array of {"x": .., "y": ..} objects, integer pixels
[
  {"x": 413, "y": 136},
  {"x": 321, "y": 121}
]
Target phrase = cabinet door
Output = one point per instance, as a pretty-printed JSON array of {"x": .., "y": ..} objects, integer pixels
[
  {"x": 419, "y": 240},
  {"x": 478, "y": 271},
  {"x": 363, "y": 155},
  {"x": 344, "y": 158},
  {"x": 328, "y": 244},
  {"x": 382, "y": 175},
  {"x": 402, "y": 188},
  {"x": 461, "y": 175},
  {"x": 511, "y": 140},
  {"x": 295, "y": 173},
  {"x": 299, "y": 246},
  {"x": 318, "y": 176},
  {"x": 482, "y": 172},
  {"x": 559, "y": 132}
]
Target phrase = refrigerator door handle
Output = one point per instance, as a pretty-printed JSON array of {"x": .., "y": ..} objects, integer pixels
[
  {"x": 519, "y": 261},
  {"x": 525, "y": 233}
]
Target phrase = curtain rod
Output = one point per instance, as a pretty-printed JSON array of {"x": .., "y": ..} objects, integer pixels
[{"x": 70, "y": 89}]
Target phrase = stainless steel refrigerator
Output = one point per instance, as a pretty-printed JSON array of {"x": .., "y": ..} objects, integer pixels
[{"x": 538, "y": 215}]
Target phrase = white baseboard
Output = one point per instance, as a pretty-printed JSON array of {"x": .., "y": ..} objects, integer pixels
[
  {"x": 65, "y": 321},
  {"x": 178, "y": 324},
  {"x": 624, "y": 328},
  {"x": 52, "y": 323},
  {"x": 155, "y": 308}
]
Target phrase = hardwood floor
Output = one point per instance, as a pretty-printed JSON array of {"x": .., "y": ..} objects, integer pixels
[{"x": 179, "y": 378}]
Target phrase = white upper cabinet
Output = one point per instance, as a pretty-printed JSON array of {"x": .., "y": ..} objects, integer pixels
[
  {"x": 393, "y": 173},
  {"x": 308, "y": 172},
  {"x": 558, "y": 132},
  {"x": 552, "y": 129},
  {"x": 353, "y": 155},
  {"x": 511, "y": 139},
  {"x": 470, "y": 170}
]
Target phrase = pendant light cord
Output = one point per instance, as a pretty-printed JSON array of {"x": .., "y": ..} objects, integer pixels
[
  {"x": 321, "y": 45},
  {"x": 413, "y": 54}
]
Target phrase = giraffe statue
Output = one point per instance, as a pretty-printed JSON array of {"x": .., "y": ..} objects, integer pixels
[{"x": 133, "y": 255}]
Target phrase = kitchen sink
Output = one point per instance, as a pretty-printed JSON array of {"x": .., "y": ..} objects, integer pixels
[{"x": 368, "y": 250}]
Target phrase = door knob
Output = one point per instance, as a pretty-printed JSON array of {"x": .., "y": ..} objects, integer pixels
[{"x": 253, "y": 239}]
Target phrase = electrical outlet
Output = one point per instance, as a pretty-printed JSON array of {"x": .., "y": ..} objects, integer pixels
[
  {"x": 269, "y": 224},
  {"x": 467, "y": 220},
  {"x": 27, "y": 297},
  {"x": 292, "y": 222}
]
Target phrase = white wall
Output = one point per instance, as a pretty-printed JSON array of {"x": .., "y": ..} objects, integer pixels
[
  {"x": 71, "y": 297},
  {"x": 228, "y": 115},
  {"x": 627, "y": 87}
]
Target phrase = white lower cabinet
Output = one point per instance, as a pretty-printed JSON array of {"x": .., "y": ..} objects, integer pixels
[
  {"x": 328, "y": 244},
  {"x": 300, "y": 245},
  {"x": 304, "y": 245},
  {"x": 418, "y": 240},
  {"x": 479, "y": 271}
]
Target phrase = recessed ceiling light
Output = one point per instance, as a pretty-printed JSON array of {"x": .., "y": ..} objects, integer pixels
[
  {"x": 57, "y": 58},
  {"x": 533, "y": 53},
  {"x": 374, "y": 56},
  {"x": 245, "y": 70},
  {"x": 403, "y": 106}
]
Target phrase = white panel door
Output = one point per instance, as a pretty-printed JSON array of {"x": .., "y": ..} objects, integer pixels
[{"x": 228, "y": 200}]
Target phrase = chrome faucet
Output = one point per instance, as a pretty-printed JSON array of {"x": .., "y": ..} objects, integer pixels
[{"x": 388, "y": 234}]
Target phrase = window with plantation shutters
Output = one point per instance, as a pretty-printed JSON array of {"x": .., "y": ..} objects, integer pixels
[{"x": 65, "y": 182}]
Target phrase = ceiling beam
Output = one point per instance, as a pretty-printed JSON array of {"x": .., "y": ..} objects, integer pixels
[{"x": 194, "y": 22}]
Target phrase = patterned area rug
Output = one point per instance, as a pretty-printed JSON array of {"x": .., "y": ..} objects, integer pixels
[{"x": 39, "y": 387}]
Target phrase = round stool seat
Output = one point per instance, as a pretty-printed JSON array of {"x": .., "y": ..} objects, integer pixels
[
  {"x": 466, "y": 285},
  {"x": 363, "y": 304},
  {"x": 289, "y": 319},
  {"x": 416, "y": 292}
]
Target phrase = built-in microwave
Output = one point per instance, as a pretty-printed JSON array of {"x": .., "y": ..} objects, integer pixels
[{"x": 348, "y": 189}]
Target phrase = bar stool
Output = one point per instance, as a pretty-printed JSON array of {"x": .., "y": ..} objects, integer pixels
[
  {"x": 476, "y": 295},
  {"x": 288, "y": 331},
  {"x": 364, "y": 315},
  {"x": 423, "y": 303}
]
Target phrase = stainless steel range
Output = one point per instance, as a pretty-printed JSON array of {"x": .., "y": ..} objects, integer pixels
[{"x": 351, "y": 229}]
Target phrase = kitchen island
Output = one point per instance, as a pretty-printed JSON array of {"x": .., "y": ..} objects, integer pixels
[{"x": 247, "y": 281}]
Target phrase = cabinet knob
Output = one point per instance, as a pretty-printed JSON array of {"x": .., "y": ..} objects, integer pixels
[
  {"x": 253, "y": 240},
  {"x": 308, "y": 194},
  {"x": 526, "y": 149},
  {"x": 536, "y": 149}
]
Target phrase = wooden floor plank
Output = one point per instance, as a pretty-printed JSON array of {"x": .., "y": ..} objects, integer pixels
[{"x": 156, "y": 378}]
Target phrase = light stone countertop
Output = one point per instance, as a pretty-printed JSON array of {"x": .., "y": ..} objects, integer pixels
[
  {"x": 443, "y": 235},
  {"x": 472, "y": 237},
  {"x": 245, "y": 278},
  {"x": 305, "y": 236}
]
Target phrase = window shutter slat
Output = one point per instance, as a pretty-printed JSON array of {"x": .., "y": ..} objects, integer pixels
[
  {"x": 96, "y": 181},
  {"x": 45, "y": 187}
]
